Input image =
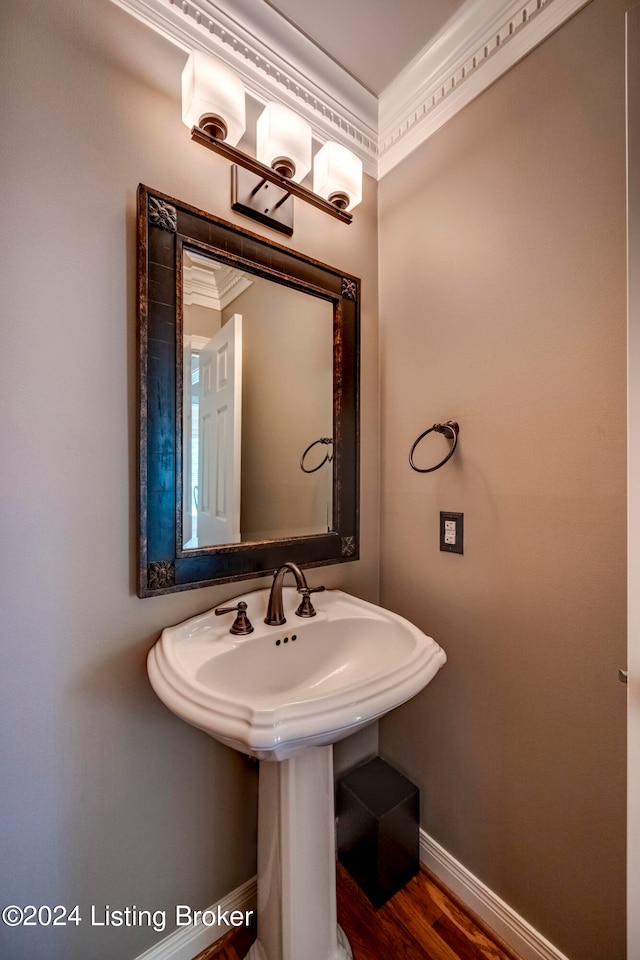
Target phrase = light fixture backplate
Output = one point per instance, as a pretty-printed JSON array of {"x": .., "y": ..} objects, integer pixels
[{"x": 260, "y": 200}]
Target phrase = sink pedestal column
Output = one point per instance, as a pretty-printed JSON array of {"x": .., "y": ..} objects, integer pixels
[{"x": 296, "y": 860}]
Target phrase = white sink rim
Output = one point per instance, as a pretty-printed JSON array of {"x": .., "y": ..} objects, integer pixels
[{"x": 279, "y": 730}]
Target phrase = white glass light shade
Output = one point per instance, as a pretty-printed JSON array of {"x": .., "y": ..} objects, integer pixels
[
  {"x": 211, "y": 89},
  {"x": 337, "y": 175},
  {"x": 283, "y": 141}
]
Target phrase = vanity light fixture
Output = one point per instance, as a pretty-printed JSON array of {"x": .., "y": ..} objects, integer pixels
[
  {"x": 213, "y": 107},
  {"x": 213, "y": 98},
  {"x": 284, "y": 142},
  {"x": 337, "y": 176}
]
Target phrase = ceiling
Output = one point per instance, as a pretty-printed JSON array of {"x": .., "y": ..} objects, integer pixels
[{"x": 372, "y": 39}]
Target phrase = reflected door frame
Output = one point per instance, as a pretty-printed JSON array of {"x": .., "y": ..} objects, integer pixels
[{"x": 219, "y": 436}]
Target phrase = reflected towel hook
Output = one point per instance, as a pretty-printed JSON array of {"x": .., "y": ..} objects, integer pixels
[
  {"x": 450, "y": 430},
  {"x": 328, "y": 456}
]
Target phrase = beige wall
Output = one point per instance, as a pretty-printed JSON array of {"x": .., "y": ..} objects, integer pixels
[
  {"x": 502, "y": 278},
  {"x": 105, "y": 797},
  {"x": 200, "y": 321}
]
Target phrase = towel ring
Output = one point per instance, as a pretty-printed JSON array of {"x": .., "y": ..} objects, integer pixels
[
  {"x": 328, "y": 456},
  {"x": 450, "y": 430}
]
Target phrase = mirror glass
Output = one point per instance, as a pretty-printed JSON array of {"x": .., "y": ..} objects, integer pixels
[
  {"x": 257, "y": 407},
  {"x": 248, "y": 402}
]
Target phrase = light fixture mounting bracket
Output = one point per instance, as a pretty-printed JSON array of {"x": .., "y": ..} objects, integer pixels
[
  {"x": 268, "y": 203},
  {"x": 266, "y": 173}
]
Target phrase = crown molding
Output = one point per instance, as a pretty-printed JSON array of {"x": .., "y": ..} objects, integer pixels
[
  {"x": 207, "y": 283},
  {"x": 276, "y": 62},
  {"x": 480, "y": 44}
]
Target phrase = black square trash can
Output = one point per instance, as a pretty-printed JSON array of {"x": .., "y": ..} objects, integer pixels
[{"x": 378, "y": 829}]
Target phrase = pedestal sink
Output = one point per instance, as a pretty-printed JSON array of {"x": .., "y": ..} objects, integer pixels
[{"x": 285, "y": 695}]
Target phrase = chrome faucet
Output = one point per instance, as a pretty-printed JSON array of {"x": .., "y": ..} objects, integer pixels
[{"x": 275, "y": 611}]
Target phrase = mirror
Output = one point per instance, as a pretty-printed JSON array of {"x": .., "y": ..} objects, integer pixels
[
  {"x": 258, "y": 359},
  {"x": 248, "y": 402}
]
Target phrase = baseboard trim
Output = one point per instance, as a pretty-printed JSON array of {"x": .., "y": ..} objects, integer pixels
[
  {"x": 487, "y": 905},
  {"x": 516, "y": 932},
  {"x": 187, "y": 943}
]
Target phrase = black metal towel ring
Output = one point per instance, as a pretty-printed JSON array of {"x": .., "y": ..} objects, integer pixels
[
  {"x": 328, "y": 456},
  {"x": 450, "y": 430}
]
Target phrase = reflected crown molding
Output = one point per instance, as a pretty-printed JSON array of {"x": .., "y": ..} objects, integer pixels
[
  {"x": 207, "y": 283},
  {"x": 483, "y": 40}
]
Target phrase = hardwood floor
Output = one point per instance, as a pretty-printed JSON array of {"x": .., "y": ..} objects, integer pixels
[
  {"x": 424, "y": 921},
  {"x": 233, "y": 946}
]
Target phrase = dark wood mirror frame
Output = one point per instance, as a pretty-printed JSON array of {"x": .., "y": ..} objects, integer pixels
[{"x": 165, "y": 225}]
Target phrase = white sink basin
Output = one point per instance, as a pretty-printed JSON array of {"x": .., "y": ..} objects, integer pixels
[{"x": 309, "y": 682}]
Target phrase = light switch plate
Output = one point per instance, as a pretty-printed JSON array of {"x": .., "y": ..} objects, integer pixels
[{"x": 452, "y": 532}]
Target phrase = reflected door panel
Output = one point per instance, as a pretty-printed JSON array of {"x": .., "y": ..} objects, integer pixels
[{"x": 220, "y": 418}]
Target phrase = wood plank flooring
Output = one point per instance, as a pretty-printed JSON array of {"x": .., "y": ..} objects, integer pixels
[
  {"x": 233, "y": 946},
  {"x": 424, "y": 921}
]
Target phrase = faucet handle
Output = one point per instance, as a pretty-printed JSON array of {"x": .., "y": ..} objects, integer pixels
[
  {"x": 306, "y": 607},
  {"x": 241, "y": 626}
]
